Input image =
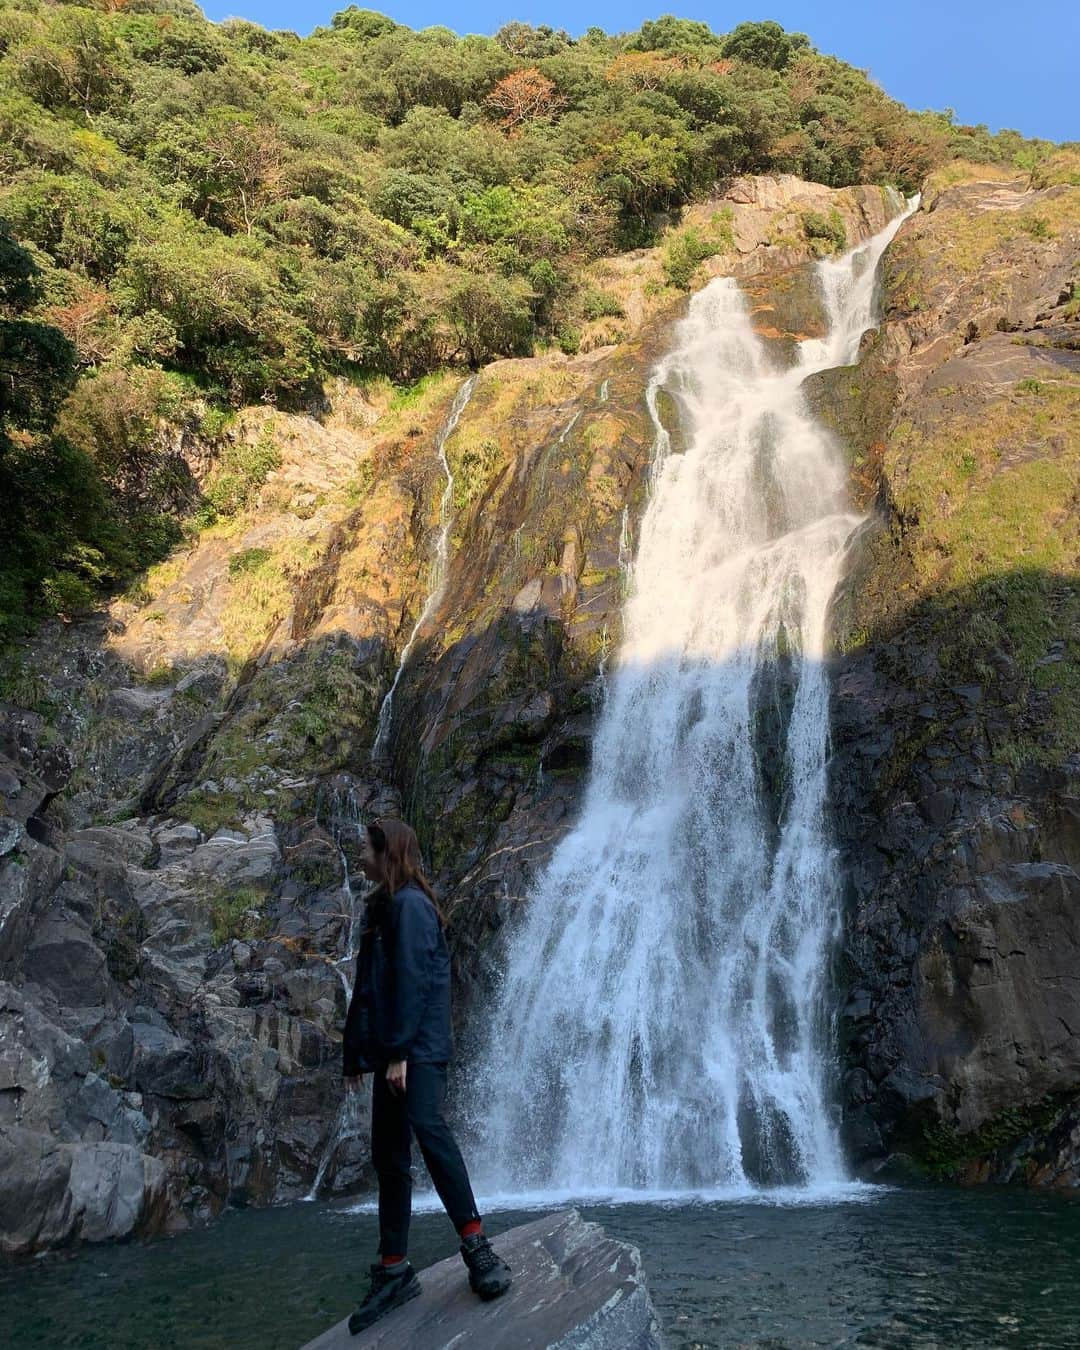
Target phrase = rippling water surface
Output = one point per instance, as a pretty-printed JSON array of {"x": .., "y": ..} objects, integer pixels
[{"x": 904, "y": 1268}]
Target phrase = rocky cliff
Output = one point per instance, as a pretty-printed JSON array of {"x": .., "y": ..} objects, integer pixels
[
  {"x": 180, "y": 777},
  {"x": 956, "y": 692}
]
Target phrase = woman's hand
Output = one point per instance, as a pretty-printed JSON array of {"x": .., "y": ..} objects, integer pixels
[
  {"x": 355, "y": 1083},
  {"x": 395, "y": 1075}
]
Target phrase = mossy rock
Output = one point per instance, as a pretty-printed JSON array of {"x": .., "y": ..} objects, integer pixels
[
  {"x": 943, "y": 1152},
  {"x": 856, "y": 404}
]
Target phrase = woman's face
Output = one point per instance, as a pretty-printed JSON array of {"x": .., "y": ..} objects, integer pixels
[{"x": 370, "y": 861}]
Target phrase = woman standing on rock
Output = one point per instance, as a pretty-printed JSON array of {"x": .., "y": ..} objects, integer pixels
[{"x": 398, "y": 1029}]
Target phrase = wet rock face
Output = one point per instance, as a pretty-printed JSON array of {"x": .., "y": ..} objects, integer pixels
[
  {"x": 573, "y": 1288},
  {"x": 956, "y": 769},
  {"x": 960, "y": 1018}
]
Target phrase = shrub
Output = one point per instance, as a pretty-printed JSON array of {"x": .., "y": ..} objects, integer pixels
[
  {"x": 826, "y": 233},
  {"x": 569, "y": 339},
  {"x": 236, "y": 912},
  {"x": 681, "y": 257},
  {"x": 597, "y": 304},
  {"x": 122, "y": 420},
  {"x": 248, "y": 560},
  {"x": 240, "y": 471}
]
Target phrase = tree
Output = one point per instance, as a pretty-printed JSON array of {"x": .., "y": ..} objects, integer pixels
[
  {"x": 248, "y": 164},
  {"x": 49, "y": 493},
  {"x": 363, "y": 23},
  {"x": 120, "y": 420},
  {"x": 763, "y": 44},
  {"x": 1033, "y": 160},
  {"x": 75, "y": 65},
  {"x": 87, "y": 320},
  {"x": 642, "y": 70},
  {"x": 523, "y": 96},
  {"x": 671, "y": 34},
  {"x": 642, "y": 172},
  {"x": 530, "y": 44},
  {"x": 37, "y": 363},
  {"x": 489, "y": 315}
]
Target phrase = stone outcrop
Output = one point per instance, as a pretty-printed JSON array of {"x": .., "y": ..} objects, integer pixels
[
  {"x": 955, "y": 697},
  {"x": 53, "y": 1193},
  {"x": 574, "y": 1288}
]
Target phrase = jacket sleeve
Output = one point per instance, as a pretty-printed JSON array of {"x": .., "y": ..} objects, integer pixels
[
  {"x": 352, "y": 1058},
  {"x": 413, "y": 944}
]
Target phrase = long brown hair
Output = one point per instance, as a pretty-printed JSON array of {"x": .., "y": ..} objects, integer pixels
[{"x": 399, "y": 850}]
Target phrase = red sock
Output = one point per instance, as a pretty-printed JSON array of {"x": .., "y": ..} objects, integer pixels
[
  {"x": 392, "y": 1260},
  {"x": 472, "y": 1227}
]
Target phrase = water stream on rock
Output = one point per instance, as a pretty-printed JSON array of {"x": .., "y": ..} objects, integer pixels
[
  {"x": 439, "y": 562},
  {"x": 661, "y": 1027},
  {"x": 341, "y": 811}
]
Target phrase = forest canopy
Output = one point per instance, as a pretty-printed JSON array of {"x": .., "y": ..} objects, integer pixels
[{"x": 221, "y": 210}]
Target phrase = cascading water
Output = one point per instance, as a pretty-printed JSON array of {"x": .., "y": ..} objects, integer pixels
[
  {"x": 439, "y": 564},
  {"x": 661, "y": 1025}
]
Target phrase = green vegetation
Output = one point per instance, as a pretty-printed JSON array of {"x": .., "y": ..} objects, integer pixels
[
  {"x": 239, "y": 472},
  {"x": 1037, "y": 226},
  {"x": 474, "y": 460},
  {"x": 201, "y": 216},
  {"x": 599, "y": 304},
  {"x": 307, "y": 714},
  {"x": 89, "y": 494},
  {"x": 261, "y": 593},
  {"x": 236, "y": 912},
  {"x": 687, "y": 248},
  {"x": 248, "y": 560},
  {"x": 946, "y": 1154},
  {"x": 995, "y": 528},
  {"x": 826, "y": 233},
  {"x": 211, "y": 811}
]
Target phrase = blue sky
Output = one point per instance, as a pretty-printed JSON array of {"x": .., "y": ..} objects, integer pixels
[{"x": 1005, "y": 64}]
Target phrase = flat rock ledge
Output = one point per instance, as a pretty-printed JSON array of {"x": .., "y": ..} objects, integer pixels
[{"x": 574, "y": 1288}]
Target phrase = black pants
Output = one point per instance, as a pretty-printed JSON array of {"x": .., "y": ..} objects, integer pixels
[{"x": 393, "y": 1119}]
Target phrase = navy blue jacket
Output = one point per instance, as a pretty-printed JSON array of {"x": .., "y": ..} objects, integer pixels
[{"x": 400, "y": 1007}]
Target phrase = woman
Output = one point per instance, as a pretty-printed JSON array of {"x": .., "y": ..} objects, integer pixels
[{"x": 398, "y": 1029}]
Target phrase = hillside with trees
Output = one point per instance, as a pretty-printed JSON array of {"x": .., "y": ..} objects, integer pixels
[{"x": 200, "y": 216}]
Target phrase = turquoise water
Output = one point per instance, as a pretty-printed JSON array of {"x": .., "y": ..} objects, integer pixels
[{"x": 903, "y": 1268}]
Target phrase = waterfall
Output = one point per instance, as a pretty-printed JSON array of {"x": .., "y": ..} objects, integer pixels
[
  {"x": 662, "y": 1025},
  {"x": 439, "y": 562},
  {"x": 625, "y": 562}
]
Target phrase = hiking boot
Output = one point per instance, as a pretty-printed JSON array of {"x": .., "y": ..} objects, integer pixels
[
  {"x": 391, "y": 1286},
  {"x": 489, "y": 1275}
]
